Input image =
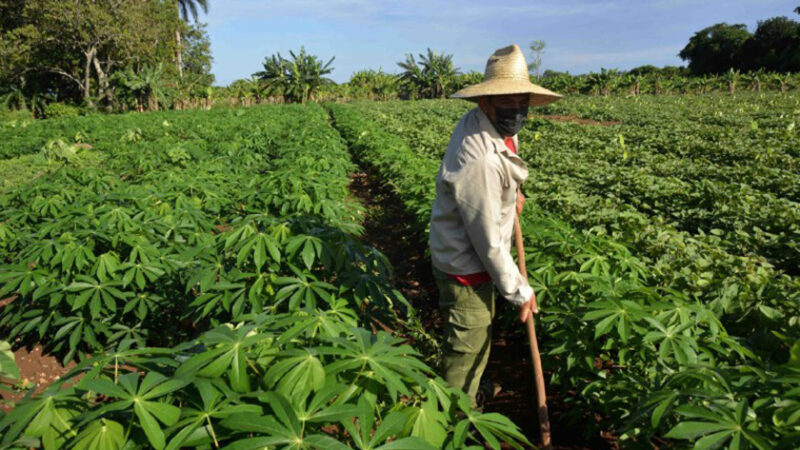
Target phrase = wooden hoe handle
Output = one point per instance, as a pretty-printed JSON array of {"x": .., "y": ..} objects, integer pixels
[{"x": 541, "y": 398}]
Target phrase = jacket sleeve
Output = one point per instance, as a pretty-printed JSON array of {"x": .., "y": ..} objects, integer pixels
[{"x": 478, "y": 192}]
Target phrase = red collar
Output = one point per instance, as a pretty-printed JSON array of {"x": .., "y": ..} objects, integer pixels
[{"x": 510, "y": 144}]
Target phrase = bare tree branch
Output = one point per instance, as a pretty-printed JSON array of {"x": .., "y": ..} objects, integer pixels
[{"x": 61, "y": 72}]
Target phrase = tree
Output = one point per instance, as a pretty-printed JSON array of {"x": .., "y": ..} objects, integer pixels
[
  {"x": 11, "y": 14},
  {"x": 70, "y": 49},
  {"x": 537, "y": 49},
  {"x": 297, "y": 79},
  {"x": 646, "y": 69},
  {"x": 716, "y": 49},
  {"x": 467, "y": 79},
  {"x": 775, "y": 46},
  {"x": 146, "y": 87},
  {"x": 562, "y": 82},
  {"x": 603, "y": 82},
  {"x": 372, "y": 84},
  {"x": 731, "y": 77},
  {"x": 197, "y": 57},
  {"x": 433, "y": 77},
  {"x": 186, "y": 8}
]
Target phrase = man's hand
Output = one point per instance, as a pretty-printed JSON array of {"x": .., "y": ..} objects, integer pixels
[
  {"x": 520, "y": 202},
  {"x": 526, "y": 309}
]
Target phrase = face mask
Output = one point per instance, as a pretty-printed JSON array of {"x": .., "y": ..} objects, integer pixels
[{"x": 509, "y": 121}]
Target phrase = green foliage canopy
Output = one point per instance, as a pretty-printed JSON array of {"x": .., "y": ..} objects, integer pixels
[
  {"x": 298, "y": 78},
  {"x": 715, "y": 49}
]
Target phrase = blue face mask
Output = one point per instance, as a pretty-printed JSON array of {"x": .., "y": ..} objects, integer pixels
[{"x": 509, "y": 121}]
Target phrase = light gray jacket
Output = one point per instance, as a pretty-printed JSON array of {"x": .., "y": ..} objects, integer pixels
[{"x": 472, "y": 222}]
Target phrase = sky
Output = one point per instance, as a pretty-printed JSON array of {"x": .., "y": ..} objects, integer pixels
[{"x": 580, "y": 35}]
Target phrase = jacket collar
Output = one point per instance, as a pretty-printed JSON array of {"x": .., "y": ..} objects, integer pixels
[{"x": 498, "y": 141}]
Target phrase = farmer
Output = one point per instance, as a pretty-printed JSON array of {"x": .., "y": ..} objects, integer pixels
[{"x": 477, "y": 197}]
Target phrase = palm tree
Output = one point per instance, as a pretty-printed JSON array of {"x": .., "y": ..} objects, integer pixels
[
  {"x": 411, "y": 78},
  {"x": 626, "y": 82},
  {"x": 296, "y": 79},
  {"x": 604, "y": 82},
  {"x": 757, "y": 80},
  {"x": 658, "y": 84},
  {"x": 186, "y": 8},
  {"x": 636, "y": 84},
  {"x": 146, "y": 86},
  {"x": 732, "y": 77},
  {"x": 562, "y": 82},
  {"x": 433, "y": 77},
  {"x": 247, "y": 91},
  {"x": 439, "y": 68},
  {"x": 15, "y": 97},
  {"x": 372, "y": 84},
  {"x": 700, "y": 84},
  {"x": 783, "y": 80}
]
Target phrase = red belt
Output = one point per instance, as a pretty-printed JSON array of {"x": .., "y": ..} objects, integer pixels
[{"x": 472, "y": 279}]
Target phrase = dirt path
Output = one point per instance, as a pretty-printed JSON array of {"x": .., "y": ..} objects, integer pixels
[{"x": 387, "y": 228}]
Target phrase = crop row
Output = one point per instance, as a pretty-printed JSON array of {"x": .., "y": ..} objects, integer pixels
[
  {"x": 715, "y": 152},
  {"x": 136, "y": 231},
  {"x": 732, "y": 111},
  {"x": 753, "y": 221},
  {"x": 238, "y": 256},
  {"x": 105, "y": 132},
  {"x": 651, "y": 360},
  {"x": 710, "y": 264},
  {"x": 594, "y": 162}
]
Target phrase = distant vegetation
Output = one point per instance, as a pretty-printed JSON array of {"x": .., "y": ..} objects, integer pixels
[
  {"x": 69, "y": 58},
  {"x": 103, "y": 55},
  {"x": 773, "y": 47}
]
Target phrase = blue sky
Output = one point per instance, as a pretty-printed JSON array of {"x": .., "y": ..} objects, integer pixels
[{"x": 581, "y": 35}]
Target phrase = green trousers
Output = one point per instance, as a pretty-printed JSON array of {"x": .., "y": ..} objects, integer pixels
[{"x": 467, "y": 312}]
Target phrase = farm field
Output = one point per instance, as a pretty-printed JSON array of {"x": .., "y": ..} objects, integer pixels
[
  {"x": 207, "y": 277},
  {"x": 208, "y": 273},
  {"x": 664, "y": 253}
]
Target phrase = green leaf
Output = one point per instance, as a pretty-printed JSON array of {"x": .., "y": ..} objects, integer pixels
[
  {"x": 101, "y": 434},
  {"x": 662, "y": 408},
  {"x": 427, "y": 422},
  {"x": 407, "y": 443},
  {"x": 167, "y": 414},
  {"x": 691, "y": 429},
  {"x": 150, "y": 426},
  {"x": 389, "y": 427},
  {"x": 604, "y": 326},
  {"x": 252, "y": 423},
  {"x": 714, "y": 440},
  {"x": 8, "y": 364}
]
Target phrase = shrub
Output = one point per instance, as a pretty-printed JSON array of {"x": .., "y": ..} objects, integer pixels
[{"x": 56, "y": 109}]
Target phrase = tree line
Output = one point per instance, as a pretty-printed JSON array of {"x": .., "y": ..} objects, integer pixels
[
  {"x": 64, "y": 58},
  {"x": 720, "y": 48},
  {"x": 103, "y": 54},
  {"x": 433, "y": 75},
  {"x": 302, "y": 77}
]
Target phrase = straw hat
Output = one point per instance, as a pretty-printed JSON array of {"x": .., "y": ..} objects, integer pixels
[{"x": 507, "y": 73}]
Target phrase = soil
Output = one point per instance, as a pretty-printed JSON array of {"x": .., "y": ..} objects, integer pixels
[
  {"x": 387, "y": 227},
  {"x": 576, "y": 119},
  {"x": 37, "y": 370}
]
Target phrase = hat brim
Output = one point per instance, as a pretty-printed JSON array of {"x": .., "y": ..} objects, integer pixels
[{"x": 508, "y": 86}]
